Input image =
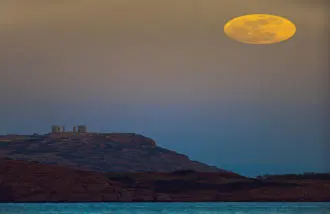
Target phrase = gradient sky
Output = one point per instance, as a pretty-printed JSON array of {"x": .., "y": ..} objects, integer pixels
[{"x": 165, "y": 69}]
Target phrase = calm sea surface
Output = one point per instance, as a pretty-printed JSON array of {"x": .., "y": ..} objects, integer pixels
[{"x": 171, "y": 208}]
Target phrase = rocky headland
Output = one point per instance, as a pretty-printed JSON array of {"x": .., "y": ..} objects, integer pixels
[
  {"x": 113, "y": 152},
  {"x": 131, "y": 168}
]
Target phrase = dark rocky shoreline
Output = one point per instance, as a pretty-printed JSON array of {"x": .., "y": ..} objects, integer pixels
[{"x": 23, "y": 181}]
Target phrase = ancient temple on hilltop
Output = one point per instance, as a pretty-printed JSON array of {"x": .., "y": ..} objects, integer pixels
[{"x": 59, "y": 131}]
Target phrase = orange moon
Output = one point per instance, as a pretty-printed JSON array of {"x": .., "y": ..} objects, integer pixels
[{"x": 260, "y": 29}]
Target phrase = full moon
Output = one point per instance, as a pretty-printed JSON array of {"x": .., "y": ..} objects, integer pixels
[{"x": 260, "y": 29}]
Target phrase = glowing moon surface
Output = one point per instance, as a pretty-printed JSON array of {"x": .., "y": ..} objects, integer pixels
[{"x": 260, "y": 29}]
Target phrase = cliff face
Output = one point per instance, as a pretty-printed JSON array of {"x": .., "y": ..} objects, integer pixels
[
  {"x": 22, "y": 181},
  {"x": 116, "y": 152}
]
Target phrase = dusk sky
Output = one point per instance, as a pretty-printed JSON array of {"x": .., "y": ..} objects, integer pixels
[{"x": 166, "y": 69}]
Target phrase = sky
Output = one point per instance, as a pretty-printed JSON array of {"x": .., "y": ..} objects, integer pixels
[{"x": 166, "y": 69}]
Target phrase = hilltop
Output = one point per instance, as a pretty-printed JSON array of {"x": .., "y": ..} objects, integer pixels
[{"x": 113, "y": 152}]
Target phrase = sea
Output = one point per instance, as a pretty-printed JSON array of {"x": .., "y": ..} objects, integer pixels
[{"x": 162, "y": 208}]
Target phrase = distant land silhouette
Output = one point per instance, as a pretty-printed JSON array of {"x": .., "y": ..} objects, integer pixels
[
  {"x": 112, "y": 152},
  {"x": 131, "y": 167}
]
